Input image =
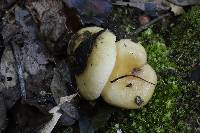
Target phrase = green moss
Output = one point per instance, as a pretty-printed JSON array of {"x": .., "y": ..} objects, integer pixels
[
  {"x": 170, "y": 108},
  {"x": 185, "y": 47},
  {"x": 157, "y": 115},
  {"x": 174, "y": 106},
  {"x": 122, "y": 16},
  {"x": 156, "y": 50},
  {"x": 185, "y": 40}
]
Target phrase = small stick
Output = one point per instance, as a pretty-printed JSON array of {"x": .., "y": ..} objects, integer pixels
[
  {"x": 20, "y": 69},
  {"x": 140, "y": 3},
  {"x": 140, "y": 29},
  {"x": 135, "y": 3},
  {"x": 131, "y": 76}
]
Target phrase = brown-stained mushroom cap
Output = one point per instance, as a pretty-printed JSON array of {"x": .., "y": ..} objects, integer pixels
[
  {"x": 118, "y": 71},
  {"x": 99, "y": 64}
]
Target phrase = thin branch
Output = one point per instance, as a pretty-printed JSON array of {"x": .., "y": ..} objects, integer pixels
[
  {"x": 136, "y": 3},
  {"x": 140, "y": 29},
  {"x": 131, "y": 75}
]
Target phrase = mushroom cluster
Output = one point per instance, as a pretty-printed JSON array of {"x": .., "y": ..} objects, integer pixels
[{"x": 118, "y": 71}]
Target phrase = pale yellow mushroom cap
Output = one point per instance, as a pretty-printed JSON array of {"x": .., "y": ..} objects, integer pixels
[
  {"x": 129, "y": 55},
  {"x": 130, "y": 92},
  {"x": 100, "y": 64}
]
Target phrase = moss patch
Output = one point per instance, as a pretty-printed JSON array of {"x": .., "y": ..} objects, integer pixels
[
  {"x": 185, "y": 40},
  {"x": 174, "y": 106},
  {"x": 123, "y": 21},
  {"x": 158, "y": 114}
]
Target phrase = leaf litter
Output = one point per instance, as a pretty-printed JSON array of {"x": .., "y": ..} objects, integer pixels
[{"x": 35, "y": 77}]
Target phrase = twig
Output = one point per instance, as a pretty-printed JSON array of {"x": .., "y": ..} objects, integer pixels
[
  {"x": 20, "y": 69},
  {"x": 141, "y": 4},
  {"x": 135, "y": 3},
  {"x": 140, "y": 29},
  {"x": 131, "y": 75}
]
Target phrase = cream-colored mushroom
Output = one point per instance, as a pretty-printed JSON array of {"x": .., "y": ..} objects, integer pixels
[
  {"x": 131, "y": 83},
  {"x": 100, "y": 62},
  {"x": 118, "y": 71}
]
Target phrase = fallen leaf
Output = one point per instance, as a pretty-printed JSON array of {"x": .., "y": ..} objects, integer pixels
[
  {"x": 52, "y": 123},
  {"x": 2, "y": 47},
  {"x": 3, "y": 113},
  {"x": 91, "y": 11},
  {"x": 85, "y": 125},
  {"x": 93, "y": 117},
  {"x": 70, "y": 113},
  {"x": 54, "y": 23},
  {"x": 34, "y": 57},
  {"x": 177, "y": 10},
  {"x": 9, "y": 79},
  {"x": 6, "y": 3},
  {"x": 26, "y": 118},
  {"x": 8, "y": 69},
  {"x": 58, "y": 85},
  {"x": 56, "y": 114},
  {"x": 151, "y": 7},
  {"x": 67, "y": 98},
  {"x": 185, "y": 2},
  {"x": 61, "y": 80}
]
